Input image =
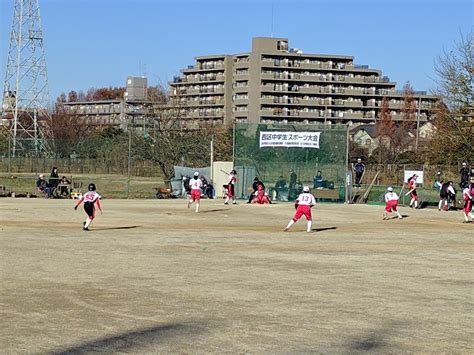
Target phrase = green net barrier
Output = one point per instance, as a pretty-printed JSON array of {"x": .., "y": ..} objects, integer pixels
[{"x": 285, "y": 170}]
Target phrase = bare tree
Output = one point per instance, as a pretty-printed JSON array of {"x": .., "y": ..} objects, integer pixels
[
  {"x": 384, "y": 129},
  {"x": 65, "y": 131},
  {"x": 454, "y": 120},
  {"x": 455, "y": 71}
]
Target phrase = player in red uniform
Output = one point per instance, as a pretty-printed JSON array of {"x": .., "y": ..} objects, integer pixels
[
  {"x": 412, "y": 192},
  {"x": 260, "y": 196},
  {"x": 303, "y": 204},
  {"x": 467, "y": 197},
  {"x": 195, "y": 184},
  {"x": 231, "y": 188},
  {"x": 90, "y": 198},
  {"x": 391, "y": 203}
]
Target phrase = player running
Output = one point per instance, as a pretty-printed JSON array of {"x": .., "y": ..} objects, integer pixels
[
  {"x": 467, "y": 197},
  {"x": 195, "y": 184},
  {"x": 391, "y": 203},
  {"x": 231, "y": 188},
  {"x": 412, "y": 192},
  {"x": 303, "y": 204},
  {"x": 90, "y": 198}
]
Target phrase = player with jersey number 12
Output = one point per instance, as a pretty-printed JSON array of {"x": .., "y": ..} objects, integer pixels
[
  {"x": 90, "y": 198},
  {"x": 303, "y": 204}
]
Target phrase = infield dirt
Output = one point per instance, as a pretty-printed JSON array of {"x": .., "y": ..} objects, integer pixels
[{"x": 153, "y": 276}]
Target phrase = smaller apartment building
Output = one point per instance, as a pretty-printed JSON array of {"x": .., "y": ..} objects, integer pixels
[{"x": 276, "y": 84}]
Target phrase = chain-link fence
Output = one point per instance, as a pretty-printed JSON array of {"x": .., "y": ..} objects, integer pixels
[
  {"x": 121, "y": 164},
  {"x": 284, "y": 167}
]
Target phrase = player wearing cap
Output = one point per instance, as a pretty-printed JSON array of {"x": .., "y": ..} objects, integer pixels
[
  {"x": 412, "y": 192},
  {"x": 231, "y": 188},
  {"x": 467, "y": 197},
  {"x": 260, "y": 196},
  {"x": 391, "y": 203},
  {"x": 195, "y": 184},
  {"x": 90, "y": 198},
  {"x": 303, "y": 204}
]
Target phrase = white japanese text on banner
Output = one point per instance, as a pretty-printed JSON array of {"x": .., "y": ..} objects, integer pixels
[{"x": 290, "y": 139}]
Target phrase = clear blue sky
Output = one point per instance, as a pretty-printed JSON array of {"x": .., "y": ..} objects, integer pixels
[{"x": 97, "y": 43}]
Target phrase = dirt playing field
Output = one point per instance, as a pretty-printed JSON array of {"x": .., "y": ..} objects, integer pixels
[{"x": 152, "y": 276}]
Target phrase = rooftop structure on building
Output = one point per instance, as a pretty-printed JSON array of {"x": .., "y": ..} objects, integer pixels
[
  {"x": 276, "y": 84},
  {"x": 132, "y": 110}
]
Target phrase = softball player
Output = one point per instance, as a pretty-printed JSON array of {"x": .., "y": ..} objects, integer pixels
[
  {"x": 303, "y": 204},
  {"x": 90, "y": 198}
]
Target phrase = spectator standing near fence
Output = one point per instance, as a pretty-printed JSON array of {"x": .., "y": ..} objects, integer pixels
[
  {"x": 438, "y": 183},
  {"x": 359, "y": 169},
  {"x": 293, "y": 178},
  {"x": 54, "y": 178},
  {"x": 195, "y": 184},
  {"x": 464, "y": 174}
]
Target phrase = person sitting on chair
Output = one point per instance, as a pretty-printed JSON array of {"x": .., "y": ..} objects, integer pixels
[
  {"x": 280, "y": 187},
  {"x": 42, "y": 186},
  {"x": 64, "y": 186},
  {"x": 318, "y": 180}
]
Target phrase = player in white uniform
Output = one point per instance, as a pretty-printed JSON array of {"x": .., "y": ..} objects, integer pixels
[
  {"x": 391, "y": 203},
  {"x": 231, "y": 188},
  {"x": 195, "y": 185},
  {"x": 90, "y": 198},
  {"x": 303, "y": 204}
]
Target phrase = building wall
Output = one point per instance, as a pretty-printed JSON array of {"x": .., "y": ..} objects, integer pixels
[{"x": 273, "y": 83}]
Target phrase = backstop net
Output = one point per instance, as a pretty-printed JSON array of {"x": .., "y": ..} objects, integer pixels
[{"x": 287, "y": 157}]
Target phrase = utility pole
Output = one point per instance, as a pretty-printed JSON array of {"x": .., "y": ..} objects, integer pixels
[
  {"x": 418, "y": 123},
  {"x": 25, "y": 89}
]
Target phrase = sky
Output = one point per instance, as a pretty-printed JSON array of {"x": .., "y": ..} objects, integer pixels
[{"x": 98, "y": 43}]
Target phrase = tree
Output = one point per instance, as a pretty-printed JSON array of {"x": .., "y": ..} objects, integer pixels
[
  {"x": 385, "y": 129},
  {"x": 452, "y": 142},
  {"x": 66, "y": 131},
  {"x": 408, "y": 109},
  {"x": 455, "y": 75},
  {"x": 4, "y": 140}
]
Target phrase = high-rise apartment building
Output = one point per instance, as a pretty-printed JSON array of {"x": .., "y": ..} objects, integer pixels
[{"x": 276, "y": 84}]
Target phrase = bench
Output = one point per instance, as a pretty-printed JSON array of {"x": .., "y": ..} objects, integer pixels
[{"x": 326, "y": 194}]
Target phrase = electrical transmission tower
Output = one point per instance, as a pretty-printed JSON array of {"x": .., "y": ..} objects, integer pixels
[{"x": 25, "y": 90}]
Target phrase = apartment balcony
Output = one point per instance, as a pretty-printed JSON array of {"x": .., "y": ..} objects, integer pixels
[
  {"x": 353, "y": 115},
  {"x": 395, "y": 105},
  {"x": 205, "y": 91},
  {"x": 355, "y": 104},
  {"x": 241, "y": 89},
  {"x": 267, "y": 101},
  {"x": 241, "y": 77},
  {"x": 218, "y": 78},
  {"x": 241, "y": 101},
  {"x": 240, "y": 114},
  {"x": 200, "y": 68},
  {"x": 202, "y": 103},
  {"x": 188, "y": 92}
]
